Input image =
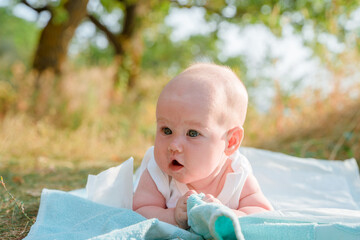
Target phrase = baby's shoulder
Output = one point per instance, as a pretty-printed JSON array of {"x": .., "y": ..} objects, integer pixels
[{"x": 240, "y": 163}]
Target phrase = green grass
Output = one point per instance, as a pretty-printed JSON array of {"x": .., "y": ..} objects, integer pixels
[{"x": 25, "y": 185}]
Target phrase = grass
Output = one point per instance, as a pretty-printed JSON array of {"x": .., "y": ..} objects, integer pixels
[
  {"x": 82, "y": 132},
  {"x": 330, "y": 132},
  {"x": 20, "y": 199},
  {"x": 333, "y": 134}
]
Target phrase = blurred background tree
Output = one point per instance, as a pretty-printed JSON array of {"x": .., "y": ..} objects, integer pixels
[
  {"x": 127, "y": 24},
  {"x": 46, "y": 44}
]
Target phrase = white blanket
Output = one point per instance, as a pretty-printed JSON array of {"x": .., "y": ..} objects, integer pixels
[
  {"x": 288, "y": 182},
  {"x": 297, "y": 183}
]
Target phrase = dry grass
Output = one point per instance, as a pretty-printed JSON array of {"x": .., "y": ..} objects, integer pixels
[
  {"x": 80, "y": 122},
  {"x": 80, "y": 132},
  {"x": 334, "y": 135},
  {"x": 311, "y": 124}
]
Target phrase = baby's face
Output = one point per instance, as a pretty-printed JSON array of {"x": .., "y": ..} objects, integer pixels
[{"x": 189, "y": 143}]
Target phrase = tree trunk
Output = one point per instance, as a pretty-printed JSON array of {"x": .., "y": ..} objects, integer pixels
[
  {"x": 54, "y": 40},
  {"x": 51, "y": 54},
  {"x": 131, "y": 40}
]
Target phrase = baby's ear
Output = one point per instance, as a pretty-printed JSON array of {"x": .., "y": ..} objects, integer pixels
[{"x": 233, "y": 140}]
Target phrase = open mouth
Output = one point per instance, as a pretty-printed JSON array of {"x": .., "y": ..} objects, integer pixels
[{"x": 175, "y": 165}]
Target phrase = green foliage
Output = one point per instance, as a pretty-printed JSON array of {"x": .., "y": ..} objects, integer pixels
[
  {"x": 238, "y": 65},
  {"x": 163, "y": 54},
  {"x": 18, "y": 39},
  {"x": 17, "y": 44},
  {"x": 110, "y": 5},
  {"x": 59, "y": 14},
  {"x": 94, "y": 56},
  {"x": 323, "y": 16}
]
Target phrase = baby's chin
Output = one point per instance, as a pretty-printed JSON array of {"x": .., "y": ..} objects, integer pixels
[
  {"x": 184, "y": 178},
  {"x": 180, "y": 177}
]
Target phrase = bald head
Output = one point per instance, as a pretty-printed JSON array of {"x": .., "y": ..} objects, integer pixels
[{"x": 222, "y": 90}]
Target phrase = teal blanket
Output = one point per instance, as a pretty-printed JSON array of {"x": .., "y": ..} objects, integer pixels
[
  {"x": 65, "y": 216},
  {"x": 216, "y": 221}
]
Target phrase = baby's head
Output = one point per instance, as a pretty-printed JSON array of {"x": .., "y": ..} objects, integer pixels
[
  {"x": 199, "y": 114},
  {"x": 219, "y": 88}
]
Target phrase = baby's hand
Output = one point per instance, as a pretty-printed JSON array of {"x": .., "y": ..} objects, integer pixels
[
  {"x": 181, "y": 210},
  {"x": 210, "y": 199}
]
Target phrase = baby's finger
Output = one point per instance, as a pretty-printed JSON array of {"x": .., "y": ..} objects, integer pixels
[
  {"x": 181, "y": 219},
  {"x": 190, "y": 192},
  {"x": 211, "y": 199},
  {"x": 183, "y": 215},
  {"x": 181, "y": 203},
  {"x": 207, "y": 197}
]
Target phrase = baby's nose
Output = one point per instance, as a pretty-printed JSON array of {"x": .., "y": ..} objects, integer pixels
[{"x": 175, "y": 146}]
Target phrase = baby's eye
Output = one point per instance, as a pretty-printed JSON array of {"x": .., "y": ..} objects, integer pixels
[
  {"x": 193, "y": 133},
  {"x": 166, "y": 131}
]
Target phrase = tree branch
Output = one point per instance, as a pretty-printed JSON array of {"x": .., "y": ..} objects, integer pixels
[
  {"x": 39, "y": 10},
  {"x": 129, "y": 20},
  {"x": 207, "y": 8},
  {"x": 110, "y": 36}
]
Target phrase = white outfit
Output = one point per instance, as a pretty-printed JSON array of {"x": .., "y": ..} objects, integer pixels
[{"x": 172, "y": 190}]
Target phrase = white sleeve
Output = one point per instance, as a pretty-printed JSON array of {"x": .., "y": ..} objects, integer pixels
[
  {"x": 142, "y": 167},
  {"x": 159, "y": 177}
]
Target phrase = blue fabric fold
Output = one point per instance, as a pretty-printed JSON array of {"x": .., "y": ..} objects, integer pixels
[
  {"x": 219, "y": 222},
  {"x": 65, "y": 216},
  {"x": 212, "y": 220}
]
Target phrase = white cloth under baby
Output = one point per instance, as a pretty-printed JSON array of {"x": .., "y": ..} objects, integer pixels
[
  {"x": 172, "y": 190},
  {"x": 288, "y": 182}
]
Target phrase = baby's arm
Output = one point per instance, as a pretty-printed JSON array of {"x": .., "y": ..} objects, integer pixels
[
  {"x": 252, "y": 200},
  {"x": 150, "y": 203}
]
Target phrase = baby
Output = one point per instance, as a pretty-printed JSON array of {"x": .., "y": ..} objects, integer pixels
[{"x": 200, "y": 114}]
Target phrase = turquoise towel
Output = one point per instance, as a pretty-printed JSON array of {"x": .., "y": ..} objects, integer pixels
[
  {"x": 65, "y": 216},
  {"x": 254, "y": 227},
  {"x": 219, "y": 222},
  {"x": 212, "y": 220}
]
